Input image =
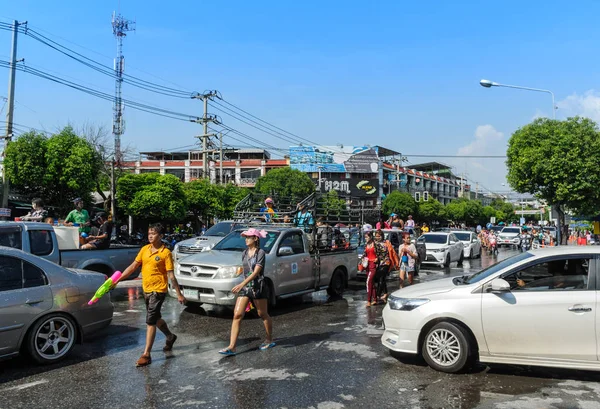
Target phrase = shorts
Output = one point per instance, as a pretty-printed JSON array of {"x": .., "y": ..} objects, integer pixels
[
  {"x": 255, "y": 292},
  {"x": 407, "y": 268},
  {"x": 154, "y": 303}
]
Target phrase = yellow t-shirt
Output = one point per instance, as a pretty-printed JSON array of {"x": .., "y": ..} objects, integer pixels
[
  {"x": 154, "y": 268},
  {"x": 425, "y": 229}
]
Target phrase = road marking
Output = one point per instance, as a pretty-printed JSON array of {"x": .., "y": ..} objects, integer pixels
[{"x": 26, "y": 385}]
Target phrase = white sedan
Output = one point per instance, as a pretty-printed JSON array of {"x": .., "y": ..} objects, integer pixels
[
  {"x": 442, "y": 248},
  {"x": 471, "y": 244},
  {"x": 508, "y": 313}
]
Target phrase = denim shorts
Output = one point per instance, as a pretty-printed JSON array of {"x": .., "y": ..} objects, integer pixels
[{"x": 407, "y": 268}]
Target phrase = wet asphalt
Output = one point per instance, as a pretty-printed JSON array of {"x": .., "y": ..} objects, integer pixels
[{"x": 328, "y": 356}]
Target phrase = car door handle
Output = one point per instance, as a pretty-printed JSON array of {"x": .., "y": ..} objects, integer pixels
[
  {"x": 33, "y": 302},
  {"x": 579, "y": 309}
]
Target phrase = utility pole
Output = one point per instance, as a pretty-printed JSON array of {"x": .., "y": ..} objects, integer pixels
[
  {"x": 206, "y": 119},
  {"x": 120, "y": 28},
  {"x": 221, "y": 157},
  {"x": 10, "y": 108}
]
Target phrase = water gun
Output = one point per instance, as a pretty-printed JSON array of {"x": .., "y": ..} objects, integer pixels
[{"x": 106, "y": 287}]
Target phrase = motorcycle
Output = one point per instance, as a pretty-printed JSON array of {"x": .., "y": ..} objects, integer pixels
[{"x": 492, "y": 245}]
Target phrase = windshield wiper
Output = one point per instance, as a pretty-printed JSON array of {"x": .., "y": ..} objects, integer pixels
[
  {"x": 460, "y": 280},
  {"x": 230, "y": 249}
]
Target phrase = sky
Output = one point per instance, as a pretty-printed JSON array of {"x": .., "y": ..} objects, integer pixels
[{"x": 403, "y": 75}]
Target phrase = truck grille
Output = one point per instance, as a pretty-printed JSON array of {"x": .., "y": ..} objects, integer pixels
[
  {"x": 197, "y": 271},
  {"x": 200, "y": 290},
  {"x": 190, "y": 249}
]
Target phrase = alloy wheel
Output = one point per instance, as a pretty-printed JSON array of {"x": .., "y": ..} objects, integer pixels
[
  {"x": 443, "y": 347},
  {"x": 54, "y": 338}
]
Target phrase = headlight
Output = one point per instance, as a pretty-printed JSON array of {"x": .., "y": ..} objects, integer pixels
[
  {"x": 176, "y": 248},
  {"x": 439, "y": 250},
  {"x": 406, "y": 304},
  {"x": 227, "y": 272},
  {"x": 466, "y": 245}
]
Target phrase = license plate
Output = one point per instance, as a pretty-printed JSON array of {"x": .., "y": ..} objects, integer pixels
[{"x": 191, "y": 294}]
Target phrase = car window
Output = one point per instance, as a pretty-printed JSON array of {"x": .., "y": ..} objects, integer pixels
[
  {"x": 294, "y": 241},
  {"x": 11, "y": 274},
  {"x": 40, "y": 242},
  {"x": 11, "y": 237},
  {"x": 553, "y": 275},
  {"x": 235, "y": 242},
  {"x": 221, "y": 229},
  {"x": 463, "y": 236},
  {"x": 511, "y": 230},
  {"x": 434, "y": 238},
  {"x": 495, "y": 268},
  {"x": 33, "y": 276}
]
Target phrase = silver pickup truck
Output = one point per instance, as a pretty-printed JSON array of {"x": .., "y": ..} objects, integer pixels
[
  {"x": 40, "y": 239},
  {"x": 290, "y": 268}
]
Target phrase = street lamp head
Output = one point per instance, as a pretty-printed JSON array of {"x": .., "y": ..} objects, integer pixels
[{"x": 487, "y": 83}]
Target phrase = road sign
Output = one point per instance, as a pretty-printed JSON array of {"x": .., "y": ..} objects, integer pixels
[{"x": 492, "y": 219}]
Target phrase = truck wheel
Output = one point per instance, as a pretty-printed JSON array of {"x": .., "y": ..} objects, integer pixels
[
  {"x": 447, "y": 261},
  {"x": 51, "y": 338},
  {"x": 337, "y": 284}
]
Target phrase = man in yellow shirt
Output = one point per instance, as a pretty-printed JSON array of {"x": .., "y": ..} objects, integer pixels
[
  {"x": 157, "y": 269},
  {"x": 425, "y": 228}
]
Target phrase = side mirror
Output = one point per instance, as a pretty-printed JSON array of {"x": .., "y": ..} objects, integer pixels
[
  {"x": 475, "y": 240},
  {"x": 499, "y": 286},
  {"x": 285, "y": 251},
  {"x": 452, "y": 242}
]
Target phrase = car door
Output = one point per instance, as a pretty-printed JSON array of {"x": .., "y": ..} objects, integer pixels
[
  {"x": 294, "y": 271},
  {"x": 549, "y": 312},
  {"x": 24, "y": 295}
]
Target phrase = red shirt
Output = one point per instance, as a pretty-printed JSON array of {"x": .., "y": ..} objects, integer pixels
[{"x": 370, "y": 253}]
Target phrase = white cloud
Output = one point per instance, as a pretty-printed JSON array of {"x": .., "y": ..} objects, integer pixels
[
  {"x": 486, "y": 137},
  {"x": 489, "y": 172},
  {"x": 586, "y": 105}
]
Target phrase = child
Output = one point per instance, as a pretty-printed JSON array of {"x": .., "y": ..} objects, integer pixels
[{"x": 157, "y": 269}]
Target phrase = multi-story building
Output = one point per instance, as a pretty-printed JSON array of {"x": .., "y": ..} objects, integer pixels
[
  {"x": 364, "y": 172},
  {"x": 240, "y": 166}
]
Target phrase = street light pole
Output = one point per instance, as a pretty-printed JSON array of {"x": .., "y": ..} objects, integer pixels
[{"x": 489, "y": 84}]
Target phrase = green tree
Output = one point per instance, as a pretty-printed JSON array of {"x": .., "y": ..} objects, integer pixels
[
  {"x": 455, "y": 210},
  {"x": 558, "y": 162},
  {"x": 231, "y": 195},
  {"x": 285, "y": 182},
  {"x": 400, "y": 203},
  {"x": 333, "y": 205},
  {"x": 57, "y": 168},
  {"x": 152, "y": 197},
  {"x": 432, "y": 210},
  {"x": 488, "y": 213},
  {"x": 464, "y": 210},
  {"x": 25, "y": 163},
  {"x": 203, "y": 198}
]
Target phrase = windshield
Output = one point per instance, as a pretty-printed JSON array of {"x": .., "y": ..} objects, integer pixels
[
  {"x": 463, "y": 236},
  {"x": 220, "y": 229},
  {"x": 485, "y": 273},
  {"x": 511, "y": 230},
  {"x": 434, "y": 238},
  {"x": 235, "y": 242}
]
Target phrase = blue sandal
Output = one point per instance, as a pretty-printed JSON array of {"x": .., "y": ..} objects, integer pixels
[
  {"x": 227, "y": 352},
  {"x": 264, "y": 346}
]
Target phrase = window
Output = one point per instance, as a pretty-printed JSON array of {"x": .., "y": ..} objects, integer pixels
[
  {"x": 40, "y": 242},
  {"x": 11, "y": 274},
  {"x": 33, "y": 276},
  {"x": 295, "y": 242},
  {"x": 11, "y": 237},
  {"x": 556, "y": 275}
]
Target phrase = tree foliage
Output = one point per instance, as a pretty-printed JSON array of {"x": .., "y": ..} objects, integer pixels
[
  {"x": 57, "y": 168},
  {"x": 558, "y": 162},
  {"x": 333, "y": 205},
  {"x": 401, "y": 203},
  {"x": 206, "y": 200},
  {"x": 152, "y": 197},
  {"x": 464, "y": 210},
  {"x": 285, "y": 182},
  {"x": 432, "y": 210}
]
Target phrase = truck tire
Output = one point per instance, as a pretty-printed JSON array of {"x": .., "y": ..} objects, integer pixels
[{"x": 337, "y": 284}]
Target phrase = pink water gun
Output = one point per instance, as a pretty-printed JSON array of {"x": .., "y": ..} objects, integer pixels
[{"x": 106, "y": 287}]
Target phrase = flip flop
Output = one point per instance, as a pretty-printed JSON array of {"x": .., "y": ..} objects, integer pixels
[
  {"x": 227, "y": 352},
  {"x": 264, "y": 346}
]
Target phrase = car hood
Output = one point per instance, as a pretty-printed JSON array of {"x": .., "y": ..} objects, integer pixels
[
  {"x": 426, "y": 289},
  {"x": 202, "y": 241},
  {"x": 214, "y": 258},
  {"x": 434, "y": 246}
]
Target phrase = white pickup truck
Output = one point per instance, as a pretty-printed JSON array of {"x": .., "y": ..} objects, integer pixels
[
  {"x": 291, "y": 269},
  {"x": 40, "y": 239}
]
